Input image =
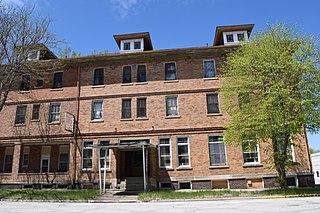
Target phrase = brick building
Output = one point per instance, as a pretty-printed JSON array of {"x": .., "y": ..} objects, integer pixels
[{"x": 147, "y": 118}]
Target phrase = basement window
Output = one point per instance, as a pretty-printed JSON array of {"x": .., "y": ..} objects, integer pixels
[{"x": 184, "y": 185}]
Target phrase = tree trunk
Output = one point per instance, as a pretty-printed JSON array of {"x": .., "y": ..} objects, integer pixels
[{"x": 280, "y": 157}]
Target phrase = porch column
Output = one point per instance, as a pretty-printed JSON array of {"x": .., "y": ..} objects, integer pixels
[
  {"x": 16, "y": 160},
  {"x": 144, "y": 168}
]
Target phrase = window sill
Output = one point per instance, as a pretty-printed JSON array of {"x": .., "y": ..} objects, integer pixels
[
  {"x": 54, "y": 123},
  {"x": 219, "y": 167},
  {"x": 86, "y": 170},
  {"x": 35, "y": 120},
  {"x": 184, "y": 168},
  {"x": 252, "y": 165},
  {"x": 209, "y": 79},
  {"x": 214, "y": 114},
  {"x": 5, "y": 173},
  {"x": 141, "y": 83},
  {"x": 171, "y": 81},
  {"x": 96, "y": 121},
  {"x": 126, "y": 84},
  {"x": 167, "y": 168},
  {"x": 23, "y": 92},
  {"x": 107, "y": 170},
  {"x": 56, "y": 89},
  {"x": 19, "y": 125},
  {"x": 126, "y": 119},
  {"x": 173, "y": 116},
  {"x": 39, "y": 87},
  {"x": 98, "y": 86},
  {"x": 142, "y": 119}
]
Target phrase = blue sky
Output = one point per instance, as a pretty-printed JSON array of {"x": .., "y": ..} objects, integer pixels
[{"x": 88, "y": 25}]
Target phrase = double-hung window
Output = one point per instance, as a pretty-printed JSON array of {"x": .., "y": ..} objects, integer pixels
[
  {"x": 250, "y": 152},
  {"x": 63, "y": 158},
  {"x": 172, "y": 106},
  {"x": 87, "y": 155},
  {"x": 25, "y": 156},
  {"x": 217, "y": 151},
  {"x": 25, "y": 83},
  {"x": 98, "y": 76},
  {"x": 141, "y": 73},
  {"x": 209, "y": 69},
  {"x": 165, "y": 153},
  {"x": 126, "y": 74},
  {"x": 141, "y": 107},
  {"x": 35, "y": 112},
  {"x": 8, "y": 160},
  {"x": 97, "y": 110},
  {"x": 183, "y": 152},
  {"x": 104, "y": 154},
  {"x": 57, "y": 80},
  {"x": 126, "y": 109},
  {"x": 212, "y": 103},
  {"x": 54, "y": 113},
  {"x": 170, "y": 71},
  {"x": 21, "y": 115}
]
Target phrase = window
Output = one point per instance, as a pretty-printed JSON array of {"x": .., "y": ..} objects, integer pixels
[
  {"x": 212, "y": 103},
  {"x": 25, "y": 83},
  {"x": 126, "y": 46},
  {"x": 33, "y": 55},
  {"x": 183, "y": 151},
  {"x": 230, "y": 38},
  {"x": 39, "y": 83},
  {"x": 240, "y": 36},
  {"x": 35, "y": 112},
  {"x": 63, "y": 158},
  {"x": 172, "y": 106},
  {"x": 165, "y": 153},
  {"x": 104, "y": 154},
  {"x": 98, "y": 76},
  {"x": 57, "y": 80},
  {"x": 87, "y": 153},
  {"x": 25, "y": 156},
  {"x": 137, "y": 45},
  {"x": 141, "y": 107},
  {"x": 54, "y": 113},
  {"x": 209, "y": 69},
  {"x": 21, "y": 115},
  {"x": 250, "y": 152},
  {"x": 141, "y": 73},
  {"x": 126, "y": 108},
  {"x": 170, "y": 71},
  {"x": 8, "y": 159},
  {"x": 45, "y": 159},
  {"x": 126, "y": 74},
  {"x": 97, "y": 110},
  {"x": 217, "y": 151}
]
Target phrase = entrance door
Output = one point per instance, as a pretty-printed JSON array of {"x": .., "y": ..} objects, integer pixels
[{"x": 133, "y": 164}]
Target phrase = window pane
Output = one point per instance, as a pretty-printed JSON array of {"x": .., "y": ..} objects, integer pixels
[
  {"x": 126, "y": 74},
  {"x": 126, "y": 108},
  {"x": 230, "y": 38},
  {"x": 98, "y": 78},
  {"x": 209, "y": 69},
  {"x": 35, "y": 112},
  {"x": 141, "y": 73},
  {"x": 250, "y": 152},
  {"x": 126, "y": 46},
  {"x": 170, "y": 71},
  {"x": 57, "y": 80},
  {"x": 240, "y": 36},
  {"x": 25, "y": 83},
  {"x": 183, "y": 160},
  {"x": 141, "y": 107},
  {"x": 183, "y": 151},
  {"x": 172, "y": 106},
  {"x": 54, "y": 115},
  {"x": 21, "y": 115},
  {"x": 137, "y": 45},
  {"x": 217, "y": 151},
  {"x": 96, "y": 111},
  {"x": 212, "y": 103}
]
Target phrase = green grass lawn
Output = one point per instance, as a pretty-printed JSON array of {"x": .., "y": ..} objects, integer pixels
[
  {"x": 49, "y": 194},
  {"x": 169, "y": 194}
]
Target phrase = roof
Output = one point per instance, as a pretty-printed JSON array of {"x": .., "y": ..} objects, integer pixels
[
  {"x": 144, "y": 35},
  {"x": 218, "y": 39}
]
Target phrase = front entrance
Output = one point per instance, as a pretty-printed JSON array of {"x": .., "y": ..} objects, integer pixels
[{"x": 133, "y": 166}]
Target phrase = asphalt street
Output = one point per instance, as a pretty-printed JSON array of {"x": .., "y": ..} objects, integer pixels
[{"x": 292, "y": 205}]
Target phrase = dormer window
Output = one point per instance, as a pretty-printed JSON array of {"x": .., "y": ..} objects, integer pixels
[
  {"x": 126, "y": 45},
  {"x": 34, "y": 55},
  {"x": 134, "y": 45},
  {"x": 137, "y": 45},
  {"x": 134, "y": 42},
  {"x": 231, "y": 38}
]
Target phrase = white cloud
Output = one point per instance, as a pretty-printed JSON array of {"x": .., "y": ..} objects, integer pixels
[
  {"x": 16, "y": 2},
  {"x": 127, "y": 7}
]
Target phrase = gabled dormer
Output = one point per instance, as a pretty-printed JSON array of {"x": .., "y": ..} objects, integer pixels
[
  {"x": 39, "y": 52},
  {"x": 135, "y": 42},
  {"x": 232, "y": 35}
]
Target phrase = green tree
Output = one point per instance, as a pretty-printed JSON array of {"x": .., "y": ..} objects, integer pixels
[
  {"x": 67, "y": 52},
  {"x": 275, "y": 78}
]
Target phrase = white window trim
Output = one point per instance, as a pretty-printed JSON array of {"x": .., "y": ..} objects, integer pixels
[
  {"x": 292, "y": 153},
  {"x": 83, "y": 148},
  {"x": 235, "y": 37},
  {"x": 215, "y": 68},
  {"x": 45, "y": 157},
  {"x": 225, "y": 150},
  {"x": 219, "y": 105},
  {"x": 23, "y": 156},
  {"x": 54, "y": 122},
  {"x": 131, "y": 41},
  {"x": 178, "y": 114},
  {"x": 33, "y": 59},
  {"x": 252, "y": 163},
  {"x": 99, "y": 157},
  {"x": 175, "y": 65},
  {"x": 189, "y": 159},
  {"x": 59, "y": 160},
  {"x": 159, "y": 155},
  {"x": 102, "y": 110}
]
